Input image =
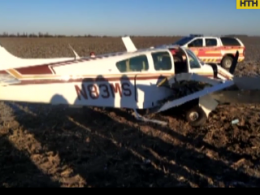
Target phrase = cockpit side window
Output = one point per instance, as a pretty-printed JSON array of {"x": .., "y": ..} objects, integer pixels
[
  {"x": 134, "y": 64},
  {"x": 162, "y": 61}
]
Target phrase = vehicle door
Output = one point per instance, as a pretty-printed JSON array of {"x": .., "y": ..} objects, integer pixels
[
  {"x": 196, "y": 45},
  {"x": 212, "y": 51}
]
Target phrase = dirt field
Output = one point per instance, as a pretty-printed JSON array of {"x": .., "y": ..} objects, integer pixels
[{"x": 55, "y": 146}]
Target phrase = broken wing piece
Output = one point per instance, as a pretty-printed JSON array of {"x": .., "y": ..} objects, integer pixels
[
  {"x": 144, "y": 119},
  {"x": 180, "y": 81},
  {"x": 186, "y": 77},
  {"x": 237, "y": 96},
  {"x": 207, "y": 103},
  {"x": 247, "y": 91},
  {"x": 247, "y": 82},
  {"x": 194, "y": 91},
  {"x": 129, "y": 45},
  {"x": 208, "y": 90}
]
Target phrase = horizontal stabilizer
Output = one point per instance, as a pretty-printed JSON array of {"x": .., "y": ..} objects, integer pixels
[
  {"x": 129, "y": 45},
  {"x": 7, "y": 79}
]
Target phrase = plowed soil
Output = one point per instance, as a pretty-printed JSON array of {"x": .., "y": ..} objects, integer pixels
[{"x": 56, "y": 146}]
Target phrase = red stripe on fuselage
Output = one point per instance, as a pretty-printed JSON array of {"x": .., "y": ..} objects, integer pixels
[
  {"x": 97, "y": 79},
  {"x": 35, "y": 70},
  {"x": 3, "y": 72},
  {"x": 83, "y": 80}
]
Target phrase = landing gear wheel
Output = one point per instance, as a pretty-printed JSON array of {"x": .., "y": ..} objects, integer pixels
[
  {"x": 227, "y": 62},
  {"x": 196, "y": 116}
]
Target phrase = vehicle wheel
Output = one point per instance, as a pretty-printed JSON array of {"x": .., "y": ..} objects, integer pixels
[
  {"x": 227, "y": 62},
  {"x": 196, "y": 116}
]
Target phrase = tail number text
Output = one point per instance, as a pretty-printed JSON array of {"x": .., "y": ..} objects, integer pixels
[{"x": 105, "y": 91}]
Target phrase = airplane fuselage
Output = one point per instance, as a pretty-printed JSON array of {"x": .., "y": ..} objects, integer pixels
[{"x": 126, "y": 79}]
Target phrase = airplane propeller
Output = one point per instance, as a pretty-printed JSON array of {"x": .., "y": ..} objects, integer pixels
[{"x": 234, "y": 63}]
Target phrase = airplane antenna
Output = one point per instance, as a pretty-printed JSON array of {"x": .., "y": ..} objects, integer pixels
[{"x": 75, "y": 53}]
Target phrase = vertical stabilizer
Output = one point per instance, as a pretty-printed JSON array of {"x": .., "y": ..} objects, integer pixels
[
  {"x": 5, "y": 55},
  {"x": 7, "y": 59}
]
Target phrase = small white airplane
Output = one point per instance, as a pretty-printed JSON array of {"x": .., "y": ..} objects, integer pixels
[{"x": 154, "y": 79}]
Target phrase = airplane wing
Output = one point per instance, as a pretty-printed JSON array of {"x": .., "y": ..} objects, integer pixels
[
  {"x": 190, "y": 86},
  {"x": 129, "y": 45},
  {"x": 247, "y": 90}
]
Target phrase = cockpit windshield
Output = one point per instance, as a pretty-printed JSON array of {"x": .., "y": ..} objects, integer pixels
[
  {"x": 194, "y": 61},
  {"x": 183, "y": 41}
]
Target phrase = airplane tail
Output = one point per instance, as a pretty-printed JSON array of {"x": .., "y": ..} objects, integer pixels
[
  {"x": 5, "y": 55},
  {"x": 7, "y": 58}
]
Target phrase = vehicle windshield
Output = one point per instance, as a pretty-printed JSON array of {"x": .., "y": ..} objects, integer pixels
[
  {"x": 183, "y": 41},
  {"x": 194, "y": 61}
]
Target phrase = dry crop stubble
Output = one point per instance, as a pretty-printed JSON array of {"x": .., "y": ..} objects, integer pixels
[
  {"x": 58, "y": 47},
  {"x": 56, "y": 146}
]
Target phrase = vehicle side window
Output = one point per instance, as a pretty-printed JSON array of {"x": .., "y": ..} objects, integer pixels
[
  {"x": 162, "y": 61},
  {"x": 228, "y": 41},
  {"x": 135, "y": 64},
  {"x": 196, "y": 43},
  {"x": 211, "y": 42}
]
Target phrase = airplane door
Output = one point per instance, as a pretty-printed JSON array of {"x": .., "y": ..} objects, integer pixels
[
  {"x": 133, "y": 82},
  {"x": 147, "y": 93},
  {"x": 194, "y": 65}
]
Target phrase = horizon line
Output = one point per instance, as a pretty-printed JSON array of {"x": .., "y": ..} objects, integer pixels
[{"x": 49, "y": 35}]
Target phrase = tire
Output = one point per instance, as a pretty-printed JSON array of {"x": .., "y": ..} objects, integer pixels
[
  {"x": 200, "y": 119},
  {"x": 227, "y": 62}
]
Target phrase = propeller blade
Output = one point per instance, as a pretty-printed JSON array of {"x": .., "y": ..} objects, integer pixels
[{"x": 234, "y": 63}]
